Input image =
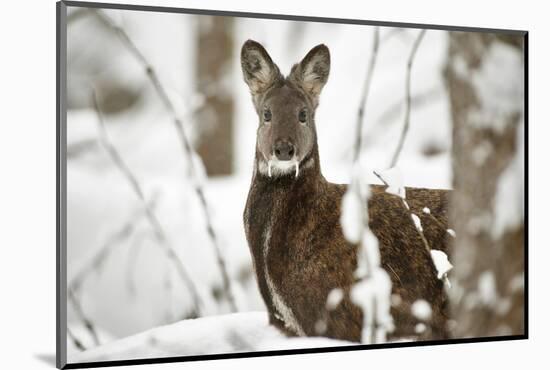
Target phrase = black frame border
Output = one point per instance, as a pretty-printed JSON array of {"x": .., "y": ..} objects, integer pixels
[{"x": 61, "y": 184}]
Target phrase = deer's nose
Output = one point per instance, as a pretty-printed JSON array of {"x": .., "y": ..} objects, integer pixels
[{"x": 284, "y": 150}]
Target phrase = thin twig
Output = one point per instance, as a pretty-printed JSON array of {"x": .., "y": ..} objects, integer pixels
[
  {"x": 95, "y": 263},
  {"x": 160, "y": 235},
  {"x": 395, "y": 273},
  {"x": 365, "y": 94},
  {"x": 422, "y": 236},
  {"x": 439, "y": 223},
  {"x": 381, "y": 178},
  {"x": 186, "y": 146},
  {"x": 407, "y": 99},
  {"x": 131, "y": 262},
  {"x": 107, "y": 248},
  {"x": 408, "y": 209},
  {"x": 88, "y": 324},
  {"x": 77, "y": 343}
]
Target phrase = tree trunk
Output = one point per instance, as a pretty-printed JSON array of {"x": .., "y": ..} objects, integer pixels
[
  {"x": 215, "y": 119},
  {"x": 485, "y": 80}
]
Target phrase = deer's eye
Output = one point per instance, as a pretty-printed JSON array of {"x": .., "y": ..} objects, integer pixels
[
  {"x": 302, "y": 116},
  {"x": 267, "y": 115}
]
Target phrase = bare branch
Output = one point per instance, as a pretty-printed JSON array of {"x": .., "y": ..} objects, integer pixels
[
  {"x": 407, "y": 99},
  {"x": 77, "y": 343},
  {"x": 95, "y": 264},
  {"x": 381, "y": 178},
  {"x": 186, "y": 146},
  {"x": 408, "y": 209},
  {"x": 83, "y": 317},
  {"x": 439, "y": 223},
  {"x": 364, "y": 95},
  {"x": 108, "y": 247},
  {"x": 160, "y": 235},
  {"x": 81, "y": 147},
  {"x": 131, "y": 262}
]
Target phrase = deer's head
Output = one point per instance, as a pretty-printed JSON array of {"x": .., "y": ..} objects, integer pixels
[{"x": 286, "y": 107}]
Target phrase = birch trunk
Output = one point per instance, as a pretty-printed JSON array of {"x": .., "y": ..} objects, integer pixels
[{"x": 485, "y": 78}]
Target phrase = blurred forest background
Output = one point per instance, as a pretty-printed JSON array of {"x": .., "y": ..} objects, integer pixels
[{"x": 141, "y": 250}]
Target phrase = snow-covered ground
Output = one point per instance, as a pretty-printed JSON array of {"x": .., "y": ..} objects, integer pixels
[
  {"x": 136, "y": 288},
  {"x": 237, "y": 332}
]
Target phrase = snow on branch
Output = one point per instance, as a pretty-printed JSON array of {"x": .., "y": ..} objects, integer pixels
[
  {"x": 442, "y": 264},
  {"x": 439, "y": 258},
  {"x": 393, "y": 180},
  {"x": 372, "y": 292},
  {"x": 160, "y": 235},
  {"x": 194, "y": 160},
  {"x": 407, "y": 99}
]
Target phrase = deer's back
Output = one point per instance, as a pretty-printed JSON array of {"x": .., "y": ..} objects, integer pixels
[
  {"x": 405, "y": 257},
  {"x": 300, "y": 256}
]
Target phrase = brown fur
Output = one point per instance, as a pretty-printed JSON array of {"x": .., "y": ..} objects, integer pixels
[{"x": 307, "y": 254}]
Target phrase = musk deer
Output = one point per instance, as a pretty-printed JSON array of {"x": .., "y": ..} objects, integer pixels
[{"x": 292, "y": 216}]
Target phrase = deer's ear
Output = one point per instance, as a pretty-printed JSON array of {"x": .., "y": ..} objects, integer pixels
[
  {"x": 259, "y": 71},
  {"x": 312, "y": 72}
]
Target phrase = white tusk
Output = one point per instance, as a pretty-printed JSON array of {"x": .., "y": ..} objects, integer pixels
[
  {"x": 269, "y": 168},
  {"x": 297, "y": 169}
]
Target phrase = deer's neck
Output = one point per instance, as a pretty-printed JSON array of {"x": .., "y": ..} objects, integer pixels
[
  {"x": 289, "y": 187},
  {"x": 276, "y": 199}
]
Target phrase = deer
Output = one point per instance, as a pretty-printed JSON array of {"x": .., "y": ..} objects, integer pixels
[{"x": 292, "y": 217}]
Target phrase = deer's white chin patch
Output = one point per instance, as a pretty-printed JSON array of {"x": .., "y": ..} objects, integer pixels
[{"x": 276, "y": 168}]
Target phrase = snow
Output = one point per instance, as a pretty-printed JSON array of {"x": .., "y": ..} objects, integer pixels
[
  {"x": 373, "y": 291},
  {"x": 394, "y": 179},
  {"x": 426, "y": 210},
  {"x": 498, "y": 97},
  {"x": 369, "y": 245},
  {"x": 420, "y": 328},
  {"x": 451, "y": 232},
  {"x": 422, "y": 310},
  {"x": 487, "y": 293},
  {"x": 441, "y": 262},
  {"x": 238, "y": 332},
  {"x": 373, "y": 296},
  {"x": 352, "y": 216},
  {"x": 481, "y": 152},
  {"x": 334, "y": 298},
  {"x": 508, "y": 208},
  {"x": 396, "y": 300},
  {"x": 486, "y": 287},
  {"x": 417, "y": 222}
]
